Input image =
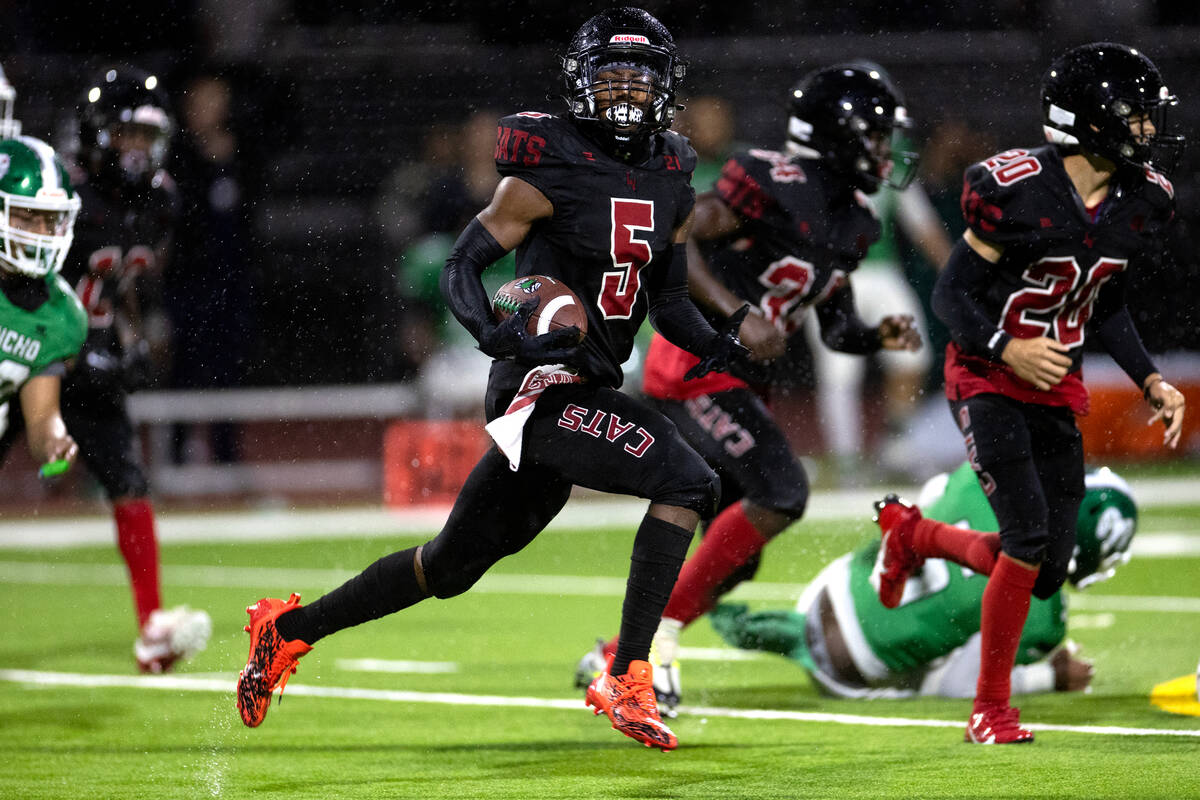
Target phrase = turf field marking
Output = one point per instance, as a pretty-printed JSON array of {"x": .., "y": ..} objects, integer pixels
[
  {"x": 224, "y": 686},
  {"x": 387, "y": 665},
  {"x": 277, "y": 580},
  {"x": 719, "y": 654}
]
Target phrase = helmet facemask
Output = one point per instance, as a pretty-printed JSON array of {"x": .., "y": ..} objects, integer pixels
[
  {"x": 31, "y": 252},
  {"x": 626, "y": 89},
  {"x": 37, "y": 208}
]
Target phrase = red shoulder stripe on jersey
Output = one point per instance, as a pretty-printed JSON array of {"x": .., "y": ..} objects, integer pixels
[
  {"x": 741, "y": 192},
  {"x": 967, "y": 376}
]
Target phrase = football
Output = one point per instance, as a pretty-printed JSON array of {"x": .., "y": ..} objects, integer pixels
[{"x": 560, "y": 308}]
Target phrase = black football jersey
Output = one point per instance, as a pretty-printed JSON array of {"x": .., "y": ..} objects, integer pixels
[
  {"x": 1061, "y": 261},
  {"x": 611, "y": 231},
  {"x": 802, "y": 233},
  {"x": 118, "y": 234}
]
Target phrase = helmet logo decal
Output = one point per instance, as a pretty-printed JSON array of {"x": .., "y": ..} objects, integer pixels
[
  {"x": 799, "y": 129},
  {"x": 1060, "y": 115},
  {"x": 628, "y": 38}
]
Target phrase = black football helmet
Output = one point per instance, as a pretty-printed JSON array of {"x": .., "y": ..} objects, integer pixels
[
  {"x": 622, "y": 38},
  {"x": 124, "y": 102},
  {"x": 847, "y": 115},
  {"x": 1089, "y": 95}
]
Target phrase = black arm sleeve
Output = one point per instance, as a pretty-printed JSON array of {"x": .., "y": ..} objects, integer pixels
[
  {"x": 1121, "y": 340},
  {"x": 672, "y": 312},
  {"x": 474, "y": 251},
  {"x": 956, "y": 302},
  {"x": 1116, "y": 332},
  {"x": 841, "y": 327}
]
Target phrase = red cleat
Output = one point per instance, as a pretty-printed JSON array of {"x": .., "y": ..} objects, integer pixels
[
  {"x": 272, "y": 659},
  {"x": 629, "y": 702},
  {"x": 996, "y": 724},
  {"x": 896, "y": 519}
]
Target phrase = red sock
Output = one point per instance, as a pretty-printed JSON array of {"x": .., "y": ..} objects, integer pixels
[
  {"x": 1005, "y": 607},
  {"x": 973, "y": 549},
  {"x": 729, "y": 542},
  {"x": 139, "y": 548}
]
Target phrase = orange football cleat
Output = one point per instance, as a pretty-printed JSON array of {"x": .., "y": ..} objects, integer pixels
[
  {"x": 629, "y": 702},
  {"x": 896, "y": 519},
  {"x": 272, "y": 659}
]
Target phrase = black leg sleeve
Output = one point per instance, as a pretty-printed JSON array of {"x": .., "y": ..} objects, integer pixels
[
  {"x": 385, "y": 587},
  {"x": 658, "y": 552}
]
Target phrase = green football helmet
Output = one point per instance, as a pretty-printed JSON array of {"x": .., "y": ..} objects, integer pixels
[
  {"x": 34, "y": 182},
  {"x": 9, "y": 127},
  {"x": 1106, "y": 524}
]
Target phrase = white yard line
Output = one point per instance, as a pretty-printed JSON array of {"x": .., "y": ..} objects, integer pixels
[
  {"x": 195, "y": 684},
  {"x": 286, "y": 579},
  {"x": 584, "y": 513},
  {"x": 391, "y": 665}
]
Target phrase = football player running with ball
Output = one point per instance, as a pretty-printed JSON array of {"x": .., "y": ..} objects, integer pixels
[
  {"x": 600, "y": 200},
  {"x": 1051, "y": 231},
  {"x": 852, "y": 646},
  {"x": 781, "y": 231}
]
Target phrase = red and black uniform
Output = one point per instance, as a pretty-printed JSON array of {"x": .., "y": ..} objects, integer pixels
[
  {"x": 609, "y": 240},
  {"x": 1062, "y": 275},
  {"x": 120, "y": 236},
  {"x": 804, "y": 229}
]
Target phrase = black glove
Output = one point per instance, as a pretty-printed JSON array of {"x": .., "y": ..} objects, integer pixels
[
  {"x": 509, "y": 339},
  {"x": 724, "y": 349}
]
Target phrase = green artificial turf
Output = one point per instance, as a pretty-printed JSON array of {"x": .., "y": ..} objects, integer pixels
[{"x": 519, "y": 634}]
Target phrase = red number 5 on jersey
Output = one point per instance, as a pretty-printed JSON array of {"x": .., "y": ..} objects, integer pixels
[{"x": 619, "y": 290}]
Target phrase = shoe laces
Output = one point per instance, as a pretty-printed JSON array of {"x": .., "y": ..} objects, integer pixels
[{"x": 628, "y": 690}]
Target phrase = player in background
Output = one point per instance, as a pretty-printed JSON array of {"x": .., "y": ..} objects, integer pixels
[
  {"x": 121, "y": 240},
  {"x": 854, "y": 647},
  {"x": 1051, "y": 230},
  {"x": 599, "y": 199},
  {"x": 42, "y": 324},
  {"x": 10, "y": 128},
  {"x": 781, "y": 231}
]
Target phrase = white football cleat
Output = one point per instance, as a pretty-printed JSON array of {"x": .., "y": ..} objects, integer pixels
[
  {"x": 590, "y": 666},
  {"x": 169, "y": 635},
  {"x": 664, "y": 657}
]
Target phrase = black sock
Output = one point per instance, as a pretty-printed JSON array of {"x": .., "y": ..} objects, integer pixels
[
  {"x": 383, "y": 588},
  {"x": 658, "y": 552}
]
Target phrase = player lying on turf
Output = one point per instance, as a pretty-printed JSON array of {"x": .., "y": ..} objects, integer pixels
[
  {"x": 781, "y": 232},
  {"x": 852, "y": 646}
]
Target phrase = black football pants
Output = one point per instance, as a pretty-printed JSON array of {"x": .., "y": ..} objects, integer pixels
[{"x": 1029, "y": 461}]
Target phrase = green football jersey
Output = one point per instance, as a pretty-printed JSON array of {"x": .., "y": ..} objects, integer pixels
[
  {"x": 30, "y": 341},
  {"x": 941, "y": 604}
]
